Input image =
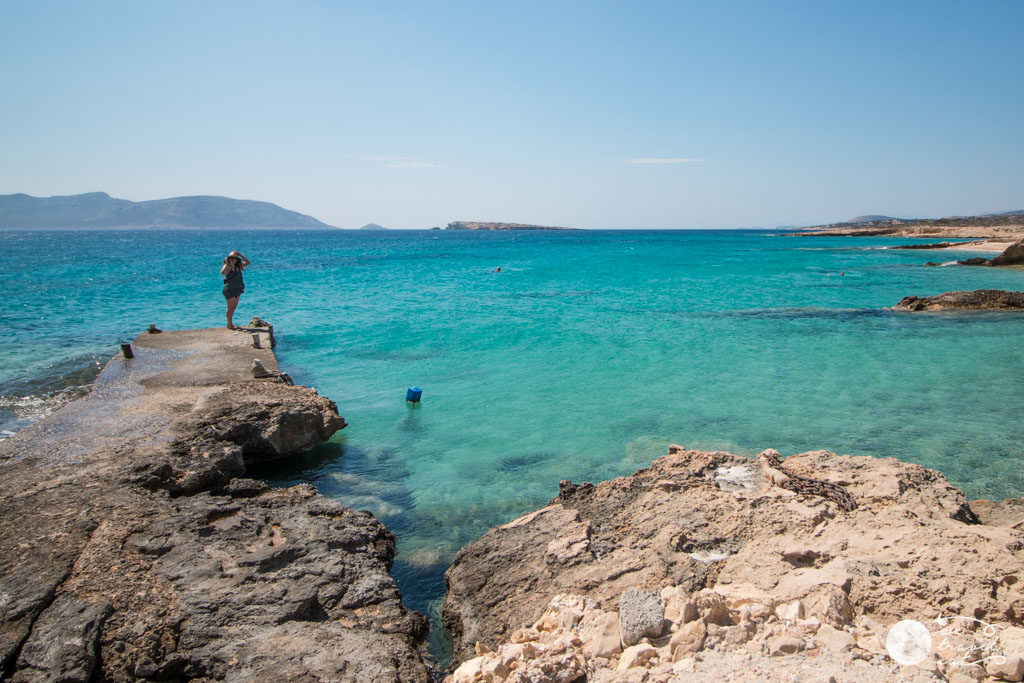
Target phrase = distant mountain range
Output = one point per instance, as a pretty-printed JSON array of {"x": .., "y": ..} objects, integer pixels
[{"x": 100, "y": 210}]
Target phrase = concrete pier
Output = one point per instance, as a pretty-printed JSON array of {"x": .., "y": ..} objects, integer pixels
[{"x": 132, "y": 545}]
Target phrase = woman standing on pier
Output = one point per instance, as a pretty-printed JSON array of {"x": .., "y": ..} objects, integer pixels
[{"x": 233, "y": 284}]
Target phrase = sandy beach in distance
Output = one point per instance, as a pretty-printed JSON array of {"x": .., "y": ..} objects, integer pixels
[{"x": 983, "y": 245}]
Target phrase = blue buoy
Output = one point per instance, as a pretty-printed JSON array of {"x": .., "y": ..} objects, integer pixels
[{"x": 413, "y": 394}]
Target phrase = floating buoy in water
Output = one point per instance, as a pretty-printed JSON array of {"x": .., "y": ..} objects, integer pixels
[{"x": 412, "y": 394}]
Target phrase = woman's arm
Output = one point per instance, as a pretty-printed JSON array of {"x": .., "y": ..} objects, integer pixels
[
  {"x": 244, "y": 262},
  {"x": 225, "y": 269}
]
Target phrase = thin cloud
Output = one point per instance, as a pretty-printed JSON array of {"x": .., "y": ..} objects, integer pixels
[
  {"x": 665, "y": 160},
  {"x": 397, "y": 161}
]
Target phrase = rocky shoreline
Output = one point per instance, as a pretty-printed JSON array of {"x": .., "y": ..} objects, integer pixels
[
  {"x": 133, "y": 547},
  {"x": 1008, "y": 227},
  {"x": 711, "y": 566}
]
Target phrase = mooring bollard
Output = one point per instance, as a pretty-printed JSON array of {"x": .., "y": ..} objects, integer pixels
[
  {"x": 126, "y": 349},
  {"x": 270, "y": 331},
  {"x": 412, "y": 395},
  {"x": 256, "y": 340}
]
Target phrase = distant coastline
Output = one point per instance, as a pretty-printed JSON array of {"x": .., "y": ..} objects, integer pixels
[
  {"x": 1004, "y": 227},
  {"x": 483, "y": 225},
  {"x": 100, "y": 211}
]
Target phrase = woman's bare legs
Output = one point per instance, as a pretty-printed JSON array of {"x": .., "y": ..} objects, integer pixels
[{"x": 232, "y": 305}]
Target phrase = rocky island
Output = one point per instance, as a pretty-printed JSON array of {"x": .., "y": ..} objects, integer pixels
[
  {"x": 479, "y": 225},
  {"x": 710, "y": 566},
  {"x": 133, "y": 546}
]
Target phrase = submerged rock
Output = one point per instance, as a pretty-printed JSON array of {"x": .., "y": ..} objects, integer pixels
[
  {"x": 797, "y": 571},
  {"x": 979, "y": 299}
]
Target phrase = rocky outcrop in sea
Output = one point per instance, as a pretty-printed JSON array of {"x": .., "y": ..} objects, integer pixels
[
  {"x": 978, "y": 300},
  {"x": 712, "y": 566}
]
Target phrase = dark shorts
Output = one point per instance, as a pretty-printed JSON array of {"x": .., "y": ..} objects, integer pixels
[{"x": 230, "y": 291}]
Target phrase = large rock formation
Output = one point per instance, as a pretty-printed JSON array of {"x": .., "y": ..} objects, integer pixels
[
  {"x": 979, "y": 299},
  {"x": 1013, "y": 255},
  {"x": 132, "y": 545},
  {"x": 752, "y": 562}
]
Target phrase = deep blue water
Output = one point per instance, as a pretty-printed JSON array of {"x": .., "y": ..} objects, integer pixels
[{"x": 581, "y": 360}]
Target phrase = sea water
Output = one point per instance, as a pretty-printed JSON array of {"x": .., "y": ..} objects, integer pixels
[{"x": 582, "y": 359}]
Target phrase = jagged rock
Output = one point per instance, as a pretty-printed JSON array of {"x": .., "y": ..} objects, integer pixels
[
  {"x": 641, "y": 615},
  {"x": 688, "y": 639},
  {"x": 979, "y": 299},
  {"x": 907, "y": 549},
  {"x": 1013, "y": 255},
  {"x": 602, "y": 636}
]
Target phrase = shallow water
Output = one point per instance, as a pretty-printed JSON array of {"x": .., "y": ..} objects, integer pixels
[{"x": 581, "y": 360}]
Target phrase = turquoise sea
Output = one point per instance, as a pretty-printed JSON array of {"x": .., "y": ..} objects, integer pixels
[{"x": 582, "y": 359}]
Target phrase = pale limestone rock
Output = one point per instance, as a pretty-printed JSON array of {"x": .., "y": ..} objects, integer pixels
[
  {"x": 686, "y": 665},
  {"x": 601, "y": 636},
  {"x": 674, "y": 599},
  {"x": 808, "y": 626},
  {"x": 1009, "y": 667},
  {"x": 830, "y": 604},
  {"x": 960, "y": 677},
  {"x": 524, "y": 635},
  {"x": 712, "y": 608},
  {"x": 688, "y": 639},
  {"x": 785, "y": 645},
  {"x": 973, "y": 672},
  {"x": 790, "y": 611},
  {"x": 734, "y": 636},
  {"x": 572, "y": 547},
  {"x": 636, "y": 655},
  {"x": 900, "y": 555},
  {"x": 834, "y": 639},
  {"x": 563, "y": 612}
]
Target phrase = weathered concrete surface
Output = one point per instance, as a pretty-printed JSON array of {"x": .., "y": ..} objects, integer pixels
[
  {"x": 724, "y": 542},
  {"x": 132, "y": 547},
  {"x": 978, "y": 300}
]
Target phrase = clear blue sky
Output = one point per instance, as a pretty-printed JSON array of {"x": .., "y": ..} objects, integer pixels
[{"x": 586, "y": 114}]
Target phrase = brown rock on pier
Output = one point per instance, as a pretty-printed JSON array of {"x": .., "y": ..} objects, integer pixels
[
  {"x": 133, "y": 547},
  {"x": 751, "y": 574}
]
